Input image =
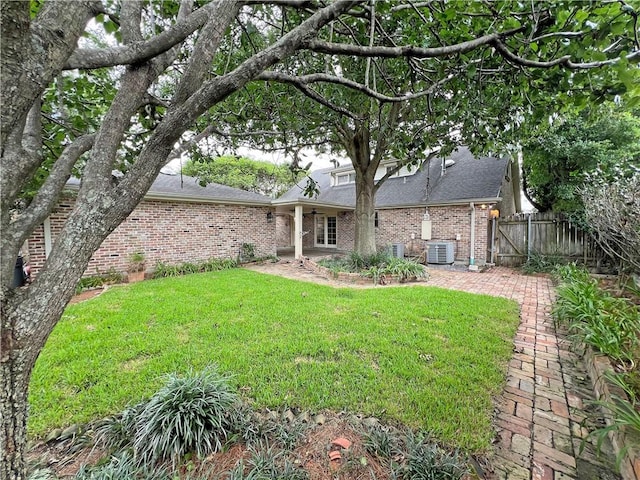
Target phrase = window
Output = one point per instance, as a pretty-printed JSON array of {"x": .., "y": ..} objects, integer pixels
[
  {"x": 346, "y": 178},
  {"x": 375, "y": 220}
]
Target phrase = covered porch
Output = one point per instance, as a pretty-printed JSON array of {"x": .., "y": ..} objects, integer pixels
[{"x": 308, "y": 228}]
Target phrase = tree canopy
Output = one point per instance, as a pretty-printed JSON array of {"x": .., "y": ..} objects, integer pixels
[
  {"x": 244, "y": 173},
  {"x": 557, "y": 160},
  {"x": 448, "y": 89},
  {"x": 112, "y": 90}
]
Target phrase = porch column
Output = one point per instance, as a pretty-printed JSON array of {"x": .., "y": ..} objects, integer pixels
[{"x": 297, "y": 225}]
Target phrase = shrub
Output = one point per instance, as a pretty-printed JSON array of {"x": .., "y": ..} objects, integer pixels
[
  {"x": 247, "y": 252},
  {"x": 360, "y": 262},
  {"x": 120, "y": 467},
  {"x": 189, "y": 414},
  {"x": 117, "y": 432},
  {"x": 376, "y": 266},
  {"x": 404, "y": 269},
  {"x": 541, "y": 263},
  {"x": 162, "y": 270},
  {"x": 99, "y": 280},
  {"x": 268, "y": 464}
]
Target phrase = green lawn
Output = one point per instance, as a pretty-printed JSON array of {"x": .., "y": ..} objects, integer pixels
[{"x": 427, "y": 357}]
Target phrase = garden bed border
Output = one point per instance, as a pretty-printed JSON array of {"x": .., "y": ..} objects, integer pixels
[
  {"x": 597, "y": 365},
  {"x": 348, "y": 277}
]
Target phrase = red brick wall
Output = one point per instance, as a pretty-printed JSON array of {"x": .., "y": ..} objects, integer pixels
[
  {"x": 284, "y": 225},
  {"x": 170, "y": 232},
  {"x": 346, "y": 223},
  {"x": 398, "y": 225}
]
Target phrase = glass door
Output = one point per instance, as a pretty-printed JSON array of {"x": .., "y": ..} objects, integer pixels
[{"x": 326, "y": 234}]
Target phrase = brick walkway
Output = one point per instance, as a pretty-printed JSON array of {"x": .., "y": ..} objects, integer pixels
[{"x": 541, "y": 417}]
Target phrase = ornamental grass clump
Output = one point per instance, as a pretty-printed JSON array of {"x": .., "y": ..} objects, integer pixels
[
  {"x": 425, "y": 460},
  {"x": 610, "y": 325},
  {"x": 189, "y": 414}
]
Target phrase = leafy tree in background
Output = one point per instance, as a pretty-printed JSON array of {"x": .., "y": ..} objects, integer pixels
[
  {"x": 556, "y": 160},
  {"x": 251, "y": 175},
  {"x": 146, "y": 86}
]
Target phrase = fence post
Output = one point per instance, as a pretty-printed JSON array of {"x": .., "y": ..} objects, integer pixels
[{"x": 529, "y": 237}]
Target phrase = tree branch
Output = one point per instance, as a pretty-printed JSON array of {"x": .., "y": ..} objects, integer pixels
[
  {"x": 48, "y": 42},
  {"x": 300, "y": 81},
  {"x": 179, "y": 117},
  {"x": 321, "y": 46},
  {"x": 132, "y": 91},
  {"x": 138, "y": 52},
  {"x": 48, "y": 194},
  {"x": 323, "y": 101},
  {"x": 206, "y": 47},
  {"x": 130, "y": 23},
  {"x": 22, "y": 157},
  {"x": 564, "y": 61},
  {"x": 558, "y": 34}
]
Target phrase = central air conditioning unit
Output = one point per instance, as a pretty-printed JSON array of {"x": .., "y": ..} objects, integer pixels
[
  {"x": 397, "y": 250},
  {"x": 440, "y": 253}
]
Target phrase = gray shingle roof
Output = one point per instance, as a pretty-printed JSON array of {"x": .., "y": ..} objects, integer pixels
[
  {"x": 468, "y": 179},
  {"x": 185, "y": 187},
  {"x": 189, "y": 187}
]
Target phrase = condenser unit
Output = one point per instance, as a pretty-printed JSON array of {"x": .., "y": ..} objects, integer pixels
[
  {"x": 397, "y": 250},
  {"x": 440, "y": 252}
]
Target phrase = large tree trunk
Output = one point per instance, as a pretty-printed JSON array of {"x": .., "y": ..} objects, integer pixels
[
  {"x": 365, "y": 235},
  {"x": 14, "y": 382},
  {"x": 359, "y": 150},
  {"x": 28, "y": 316}
]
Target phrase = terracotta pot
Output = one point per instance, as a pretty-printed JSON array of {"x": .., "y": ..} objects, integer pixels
[{"x": 135, "y": 276}]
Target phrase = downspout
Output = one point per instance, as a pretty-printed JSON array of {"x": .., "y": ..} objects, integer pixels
[
  {"x": 493, "y": 239},
  {"x": 472, "y": 236},
  {"x": 297, "y": 219},
  {"x": 48, "y": 243}
]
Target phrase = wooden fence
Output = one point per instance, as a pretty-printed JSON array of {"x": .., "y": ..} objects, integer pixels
[{"x": 549, "y": 234}]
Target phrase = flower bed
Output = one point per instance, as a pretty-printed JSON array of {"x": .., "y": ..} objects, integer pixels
[
  {"x": 607, "y": 329},
  {"x": 357, "y": 278}
]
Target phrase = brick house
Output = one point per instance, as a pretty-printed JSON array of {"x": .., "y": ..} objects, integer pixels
[
  {"x": 449, "y": 201},
  {"x": 178, "y": 221}
]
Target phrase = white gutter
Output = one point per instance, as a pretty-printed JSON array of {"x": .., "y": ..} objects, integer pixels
[{"x": 168, "y": 197}]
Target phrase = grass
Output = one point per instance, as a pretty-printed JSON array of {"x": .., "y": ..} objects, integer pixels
[{"x": 427, "y": 357}]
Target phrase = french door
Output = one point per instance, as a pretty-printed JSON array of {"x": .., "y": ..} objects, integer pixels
[{"x": 326, "y": 231}]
